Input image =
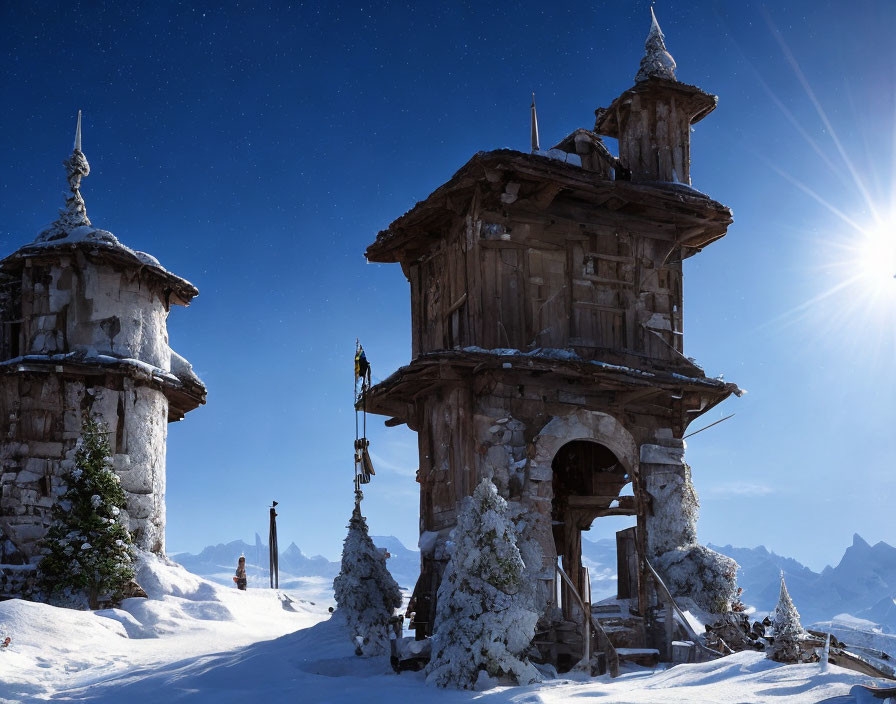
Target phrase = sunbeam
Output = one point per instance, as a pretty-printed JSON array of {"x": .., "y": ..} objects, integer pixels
[{"x": 801, "y": 77}]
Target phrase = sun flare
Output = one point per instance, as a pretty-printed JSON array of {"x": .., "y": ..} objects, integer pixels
[
  {"x": 856, "y": 305},
  {"x": 875, "y": 258}
]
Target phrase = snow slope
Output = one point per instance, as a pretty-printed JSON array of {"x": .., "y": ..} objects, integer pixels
[
  {"x": 200, "y": 642},
  {"x": 55, "y": 649}
]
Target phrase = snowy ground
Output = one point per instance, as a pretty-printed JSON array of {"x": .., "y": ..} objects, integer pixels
[{"x": 197, "y": 641}]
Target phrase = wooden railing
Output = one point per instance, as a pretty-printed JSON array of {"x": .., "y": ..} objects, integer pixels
[
  {"x": 672, "y": 609},
  {"x": 586, "y": 632},
  {"x": 589, "y": 622}
]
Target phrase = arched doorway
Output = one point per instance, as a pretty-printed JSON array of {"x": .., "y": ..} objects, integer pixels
[{"x": 588, "y": 482}]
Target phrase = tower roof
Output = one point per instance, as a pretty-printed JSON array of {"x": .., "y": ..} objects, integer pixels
[
  {"x": 676, "y": 206},
  {"x": 73, "y": 229},
  {"x": 657, "y": 61}
]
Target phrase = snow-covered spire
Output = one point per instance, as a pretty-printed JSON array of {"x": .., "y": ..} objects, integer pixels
[
  {"x": 535, "y": 146},
  {"x": 657, "y": 62},
  {"x": 74, "y": 214}
]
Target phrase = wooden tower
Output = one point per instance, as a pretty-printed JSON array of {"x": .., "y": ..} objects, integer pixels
[{"x": 546, "y": 305}]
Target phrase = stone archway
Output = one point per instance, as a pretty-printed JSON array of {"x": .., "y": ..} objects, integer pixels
[
  {"x": 598, "y": 427},
  {"x": 582, "y": 428}
]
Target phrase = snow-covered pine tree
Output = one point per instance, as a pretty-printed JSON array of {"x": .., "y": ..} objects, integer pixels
[
  {"x": 787, "y": 629},
  {"x": 366, "y": 594},
  {"x": 485, "y": 618},
  {"x": 88, "y": 550}
]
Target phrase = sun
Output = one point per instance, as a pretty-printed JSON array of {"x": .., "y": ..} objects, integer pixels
[
  {"x": 856, "y": 306},
  {"x": 854, "y": 275},
  {"x": 874, "y": 260}
]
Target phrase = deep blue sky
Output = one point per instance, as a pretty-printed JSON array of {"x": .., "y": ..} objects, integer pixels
[{"x": 257, "y": 149}]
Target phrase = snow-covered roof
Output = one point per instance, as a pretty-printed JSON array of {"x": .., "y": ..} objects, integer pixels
[
  {"x": 184, "y": 389},
  {"x": 669, "y": 198},
  {"x": 73, "y": 229}
]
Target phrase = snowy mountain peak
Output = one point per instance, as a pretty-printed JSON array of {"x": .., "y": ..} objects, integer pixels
[
  {"x": 293, "y": 549},
  {"x": 859, "y": 542}
]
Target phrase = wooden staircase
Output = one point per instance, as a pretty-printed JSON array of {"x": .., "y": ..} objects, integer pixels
[{"x": 642, "y": 626}]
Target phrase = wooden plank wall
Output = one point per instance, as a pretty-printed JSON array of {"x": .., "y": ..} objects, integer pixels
[
  {"x": 655, "y": 143},
  {"x": 447, "y": 462},
  {"x": 539, "y": 285}
]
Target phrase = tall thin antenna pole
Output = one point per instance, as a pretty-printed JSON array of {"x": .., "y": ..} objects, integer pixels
[{"x": 535, "y": 146}]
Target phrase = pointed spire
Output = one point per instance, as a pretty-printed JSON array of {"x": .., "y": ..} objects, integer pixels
[
  {"x": 534, "y": 119},
  {"x": 78, "y": 134},
  {"x": 74, "y": 214},
  {"x": 657, "y": 62}
]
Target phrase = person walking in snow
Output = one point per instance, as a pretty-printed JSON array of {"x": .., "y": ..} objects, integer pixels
[{"x": 240, "y": 578}]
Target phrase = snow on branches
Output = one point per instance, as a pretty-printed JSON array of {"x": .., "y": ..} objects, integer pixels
[
  {"x": 366, "y": 594},
  {"x": 787, "y": 629},
  {"x": 485, "y": 618},
  {"x": 88, "y": 550}
]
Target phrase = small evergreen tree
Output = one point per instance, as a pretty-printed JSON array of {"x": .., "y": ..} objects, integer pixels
[
  {"x": 88, "y": 549},
  {"x": 484, "y": 616},
  {"x": 787, "y": 629},
  {"x": 366, "y": 594}
]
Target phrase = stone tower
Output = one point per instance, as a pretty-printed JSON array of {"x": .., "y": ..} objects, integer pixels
[
  {"x": 83, "y": 330},
  {"x": 546, "y": 310}
]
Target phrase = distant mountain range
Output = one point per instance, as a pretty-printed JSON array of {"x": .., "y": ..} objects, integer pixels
[
  {"x": 863, "y": 584},
  {"x": 218, "y": 562}
]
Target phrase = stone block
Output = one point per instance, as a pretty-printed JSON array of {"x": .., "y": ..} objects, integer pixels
[
  {"x": 38, "y": 465},
  {"x": 51, "y": 450},
  {"x": 657, "y": 454},
  {"x": 26, "y": 476},
  {"x": 136, "y": 481},
  {"x": 28, "y": 497},
  {"x": 540, "y": 473},
  {"x": 140, "y": 506},
  {"x": 27, "y": 532},
  {"x": 496, "y": 456}
]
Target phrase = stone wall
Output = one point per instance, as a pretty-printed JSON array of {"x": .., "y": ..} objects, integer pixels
[
  {"x": 515, "y": 452},
  {"x": 45, "y": 412},
  {"x": 688, "y": 568},
  {"x": 68, "y": 306},
  {"x": 672, "y": 516},
  {"x": 512, "y": 434}
]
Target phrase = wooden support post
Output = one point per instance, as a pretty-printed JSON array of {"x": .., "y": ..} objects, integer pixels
[{"x": 669, "y": 619}]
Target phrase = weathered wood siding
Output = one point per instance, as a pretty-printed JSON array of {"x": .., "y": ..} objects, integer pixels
[
  {"x": 655, "y": 140},
  {"x": 447, "y": 467},
  {"x": 539, "y": 284}
]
